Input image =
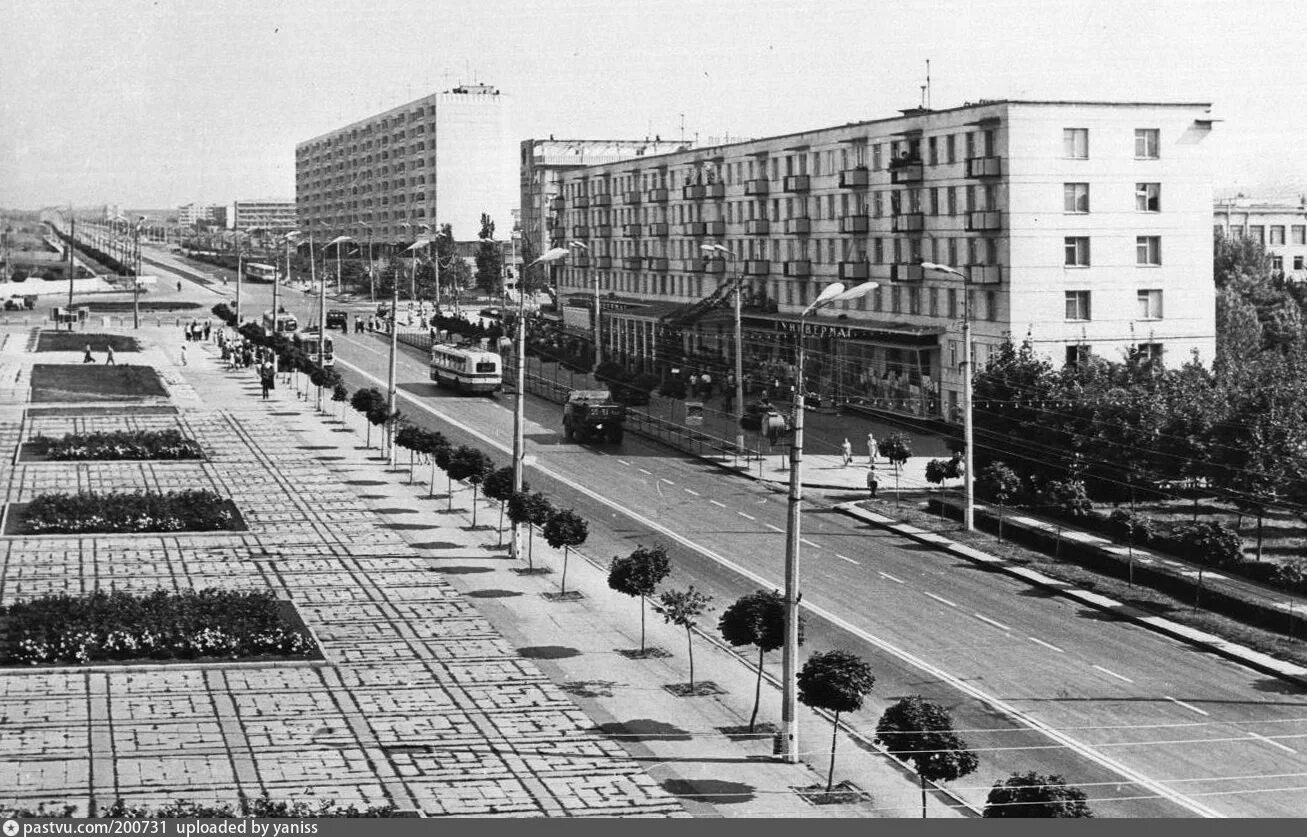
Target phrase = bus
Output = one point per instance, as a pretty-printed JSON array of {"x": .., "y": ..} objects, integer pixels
[
  {"x": 259, "y": 272},
  {"x": 284, "y": 324},
  {"x": 307, "y": 341},
  {"x": 466, "y": 369}
]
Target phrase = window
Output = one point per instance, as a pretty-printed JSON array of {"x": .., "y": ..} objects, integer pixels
[
  {"x": 932, "y": 150},
  {"x": 1077, "y": 305},
  {"x": 1146, "y": 143},
  {"x": 1297, "y": 263},
  {"x": 1149, "y": 305},
  {"x": 1277, "y": 234},
  {"x": 1077, "y": 251},
  {"x": 896, "y": 297},
  {"x": 1148, "y": 197},
  {"x": 1257, "y": 233},
  {"x": 1151, "y": 352},
  {"x": 914, "y": 300},
  {"x": 991, "y": 306},
  {"x": 934, "y": 302},
  {"x": 952, "y": 200},
  {"x": 952, "y": 303},
  {"x": 1148, "y": 250},
  {"x": 1075, "y": 143},
  {"x": 1077, "y": 355},
  {"x": 1277, "y": 263},
  {"x": 950, "y": 146},
  {"x": 1298, "y": 234},
  {"x": 1075, "y": 197}
]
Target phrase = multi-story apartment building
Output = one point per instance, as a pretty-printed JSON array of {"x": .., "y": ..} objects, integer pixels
[
  {"x": 271, "y": 215},
  {"x": 442, "y": 159},
  {"x": 544, "y": 160},
  {"x": 194, "y": 213},
  {"x": 1279, "y": 225},
  {"x": 1081, "y": 225}
]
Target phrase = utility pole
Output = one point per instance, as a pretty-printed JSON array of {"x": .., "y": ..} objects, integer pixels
[
  {"x": 72, "y": 264},
  {"x": 322, "y": 318},
  {"x": 136, "y": 280},
  {"x": 739, "y": 369},
  {"x": 240, "y": 272},
  {"x": 394, "y": 354}
]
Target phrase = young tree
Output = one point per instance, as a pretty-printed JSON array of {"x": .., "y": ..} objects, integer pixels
[
  {"x": 1066, "y": 498},
  {"x": 897, "y": 448},
  {"x": 1135, "y": 529},
  {"x": 1292, "y": 577},
  {"x": 638, "y": 575},
  {"x": 533, "y": 510},
  {"x": 683, "y": 608},
  {"x": 366, "y": 401},
  {"x": 921, "y": 732},
  {"x": 442, "y": 457},
  {"x": 757, "y": 619},
  {"x": 836, "y": 681},
  {"x": 471, "y": 466},
  {"x": 340, "y": 394},
  {"x": 490, "y": 256},
  {"x": 1033, "y": 795},
  {"x": 432, "y": 443},
  {"x": 1209, "y": 545},
  {"x": 999, "y": 481},
  {"x": 409, "y": 437},
  {"x": 567, "y": 529},
  {"x": 498, "y": 486}
]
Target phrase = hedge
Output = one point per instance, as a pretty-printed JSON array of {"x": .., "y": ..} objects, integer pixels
[
  {"x": 119, "y": 444},
  {"x": 137, "y": 511}
]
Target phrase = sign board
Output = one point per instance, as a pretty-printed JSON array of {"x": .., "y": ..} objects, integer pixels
[
  {"x": 694, "y": 413},
  {"x": 528, "y": 459},
  {"x": 576, "y": 317}
]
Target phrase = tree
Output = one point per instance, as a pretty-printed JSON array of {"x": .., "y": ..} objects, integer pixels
[
  {"x": 1033, "y": 795},
  {"x": 471, "y": 466},
  {"x": 441, "y": 457},
  {"x": 409, "y": 437},
  {"x": 498, "y": 486},
  {"x": 1210, "y": 544},
  {"x": 1292, "y": 576},
  {"x": 756, "y": 619},
  {"x": 1066, "y": 498},
  {"x": 490, "y": 256},
  {"x": 340, "y": 393},
  {"x": 533, "y": 510},
  {"x": 567, "y": 529},
  {"x": 639, "y": 574},
  {"x": 897, "y": 448},
  {"x": 1134, "y": 528},
  {"x": 836, "y": 681},
  {"x": 1000, "y": 482},
  {"x": 921, "y": 732},
  {"x": 436, "y": 448},
  {"x": 366, "y": 401},
  {"x": 683, "y": 608}
]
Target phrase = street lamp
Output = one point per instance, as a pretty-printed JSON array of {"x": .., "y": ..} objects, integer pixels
[
  {"x": 372, "y": 277},
  {"x": 968, "y": 430},
  {"x": 789, "y": 665},
  {"x": 599, "y": 334},
  {"x": 519, "y": 397},
  {"x": 725, "y": 253},
  {"x": 136, "y": 279}
]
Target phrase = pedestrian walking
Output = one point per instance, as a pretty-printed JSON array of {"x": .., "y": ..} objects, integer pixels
[
  {"x": 108, "y": 358},
  {"x": 846, "y": 450},
  {"x": 871, "y": 449},
  {"x": 208, "y": 328},
  {"x": 179, "y": 286},
  {"x": 873, "y": 485},
  {"x": 267, "y": 379},
  {"x": 184, "y": 363},
  {"x": 88, "y": 357}
]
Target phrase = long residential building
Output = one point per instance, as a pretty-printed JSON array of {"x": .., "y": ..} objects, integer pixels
[
  {"x": 1280, "y": 225},
  {"x": 271, "y": 215},
  {"x": 1083, "y": 226},
  {"x": 442, "y": 159}
]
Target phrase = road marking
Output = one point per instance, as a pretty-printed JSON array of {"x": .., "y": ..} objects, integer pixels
[
  {"x": 773, "y": 527},
  {"x": 719, "y": 505},
  {"x": 669, "y": 482},
  {"x": 692, "y": 491},
  {"x": 940, "y": 599},
  {"x": 847, "y": 558},
  {"x": 1111, "y": 673},
  {"x": 624, "y": 462},
  {"x": 1272, "y": 742},
  {"x": 890, "y": 577},
  {"x": 1047, "y": 645},
  {"x": 1159, "y": 788},
  {"x": 998, "y": 625},
  {"x": 809, "y": 543},
  {"x": 749, "y": 516},
  {"x": 1188, "y": 706},
  {"x": 643, "y": 471}
]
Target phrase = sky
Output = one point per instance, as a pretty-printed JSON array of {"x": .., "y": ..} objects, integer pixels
[{"x": 156, "y": 103}]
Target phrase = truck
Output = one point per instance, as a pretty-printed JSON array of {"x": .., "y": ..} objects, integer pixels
[{"x": 592, "y": 413}]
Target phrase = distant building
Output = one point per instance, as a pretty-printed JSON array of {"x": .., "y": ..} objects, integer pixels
[
  {"x": 442, "y": 159},
  {"x": 271, "y": 215},
  {"x": 190, "y": 214},
  {"x": 1280, "y": 225},
  {"x": 1082, "y": 225}
]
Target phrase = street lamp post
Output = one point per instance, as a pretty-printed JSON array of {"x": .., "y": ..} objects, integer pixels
[
  {"x": 372, "y": 278},
  {"x": 968, "y": 430},
  {"x": 789, "y": 664},
  {"x": 725, "y": 253},
  {"x": 136, "y": 279},
  {"x": 72, "y": 263}
]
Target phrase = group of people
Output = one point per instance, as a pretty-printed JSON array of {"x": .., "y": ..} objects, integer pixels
[
  {"x": 88, "y": 357},
  {"x": 238, "y": 352},
  {"x": 197, "y": 332}
]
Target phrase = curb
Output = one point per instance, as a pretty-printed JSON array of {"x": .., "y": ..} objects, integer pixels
[{"x": 1255, "y": 660}]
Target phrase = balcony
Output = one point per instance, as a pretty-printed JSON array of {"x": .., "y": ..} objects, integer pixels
[
  {"x": 988, "y": 219},
  {"x": 799, "y": 268},
  {"x": 905, "y": 172},
  {"x": 797, "y": 183},
  {"x": 704, "y": 190},
  {"x": 658, "y": 195},
  {"x": 557, "y": 204},
  {"x": 631, "y": 262},
  {"x": 658, "y": 263},
  {"x": 602, "y": 200},
  {"x": 911, "y": 222},
  {"x": 757, "y": 186},
  {"x": 580, "y": 260},
  {"x": 699, "y": 228},
  {"x": 580, "y": 232},
  {"x": 859, "y": 271},
  {"x": 798, "y": 226},
  {"x": 757, "y": 267},
  {"x": 757, "y": 226},
  {"x": 707, "y": 265},
  {"x": 984, "y": 167},
  {"x": 985, "y": 274},
  {"x": 858, "y": 178},
  {"x": 907, "y": 273},
  {"x": 603, "y": 261},
  {"x": 603, "y": 231},
  {"x": 633, "y": 196},
  {"x": 632, "y": 230},
  {"x": 582, "y": 202},
  {"x": 855, "y": 224},
  {"x": 659, "y": 229}
]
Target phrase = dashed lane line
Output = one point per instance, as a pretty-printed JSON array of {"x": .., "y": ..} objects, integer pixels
[
  {"x": 773, "y": 527},
  {"x": 624, "y": 462},
  {"x": 1050, "y": 646},
  {"x": 1159, "y": 788},
  {"x": 643, "y": 471},
  {"x": 1273, "y": 742},
  {"x": 996, "y": 624},
  {"x": 719, "y": 505},
  {"x": 1111, "y": 673},
  {"x": 890, "y": 577},
  {"x": 747, "y": 516},
  {"x": 847, "y": 558},
  {"x": 1188, "y": 706},
  {"x": 692, "y": 491},
  {"x": 939, "y": 598},
  {"x": 664, "y": 479}
]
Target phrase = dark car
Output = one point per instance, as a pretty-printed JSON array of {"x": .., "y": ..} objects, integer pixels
[{"x": 337, "y": 319}]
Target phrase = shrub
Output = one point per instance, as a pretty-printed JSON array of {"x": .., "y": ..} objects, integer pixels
[
  {"x": 1213, "y": 544},
  {"x": 1130, "y": 526},
  {"x": 158, "y": 625},
  {"x": 138, "y": 511},
  {"x": 938, "y": 470},
  {"x": 119, "y": 444}
]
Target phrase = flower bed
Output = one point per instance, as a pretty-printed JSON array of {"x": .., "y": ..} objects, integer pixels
[
  {"x": 117, "y": 444},
  {"x": 159, "y": 625},
  {"x": 141, "y": 511}
]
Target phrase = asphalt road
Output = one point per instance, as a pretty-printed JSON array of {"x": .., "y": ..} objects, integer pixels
[{"x": 1147, "y": 726}]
